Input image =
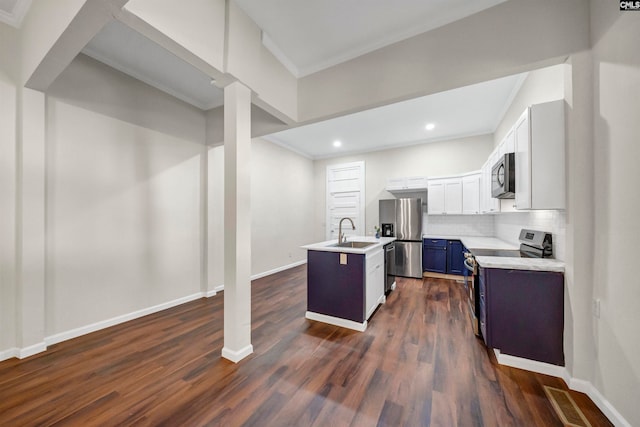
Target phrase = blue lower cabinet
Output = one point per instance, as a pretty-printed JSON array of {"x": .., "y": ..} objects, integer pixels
[
  {"x": 434, "y": 255},
  {"x": 522, "y": 313},
  {"x": 455, "y": 257},
  {"x": 443, "y": 256}
]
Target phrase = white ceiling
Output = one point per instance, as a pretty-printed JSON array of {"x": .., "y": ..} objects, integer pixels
[
  {"x": 308, "y": 36},
  {"x": 128, "y": 51},
  {"x": 466, "y": 111},
  {"x": 13, "y": 11}
]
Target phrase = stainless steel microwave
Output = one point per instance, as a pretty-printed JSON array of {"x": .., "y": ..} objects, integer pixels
[{"x": 503, "y": 177}]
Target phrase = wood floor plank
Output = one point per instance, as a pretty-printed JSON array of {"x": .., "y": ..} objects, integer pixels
[{"x": 417, "y": 364}]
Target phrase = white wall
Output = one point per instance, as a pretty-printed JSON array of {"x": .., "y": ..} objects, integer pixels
[
  {"x": 541, "y": 85},
  {"x": 431, "y": 159},
  {"x": 275, "y": 88},
  {"x": 8, "y": 98},
  {"x": 199, "y": 28},
  {"x": 282, "y": 208},
  {"x": 123, "y": 197},
  {"x": 616, "y": 72},
  {"x": 42, "y": 26},
  {"x": 504, "y": 40}
]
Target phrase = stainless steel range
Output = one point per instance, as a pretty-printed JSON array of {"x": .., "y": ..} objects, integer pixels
[{"x": 533, "y": 244}]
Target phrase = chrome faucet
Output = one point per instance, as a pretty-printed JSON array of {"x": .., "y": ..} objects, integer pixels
[{"x": 341, "y": 237}]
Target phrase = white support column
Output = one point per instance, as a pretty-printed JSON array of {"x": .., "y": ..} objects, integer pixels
[
  {"x": 31, "y": 225},
  {"x": 237, "y": 222}
]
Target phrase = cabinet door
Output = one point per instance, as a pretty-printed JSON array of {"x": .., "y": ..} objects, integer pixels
[
  {"x": 471, "y": 194},
  {"x": 453, "y": 196},
  {"x": 509, "y": 142},
  {"x": 434, "y": 259},
  {"x": 547, "y": 155},
  {"x": 525, "y": 313},
  {"x": 374, "y": 284},
  {"x": 455, "y": 257},
  {"x": 396, "y": 184},
  {"x": 435, "y": 197},
  {"x": 416, "y": 183},
  {"x": 523, "y": 162}
]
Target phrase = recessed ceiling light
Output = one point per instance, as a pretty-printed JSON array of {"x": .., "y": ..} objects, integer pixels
[
  {"x": 430, "y": 126},
  {"x": 337, "y": 143}
]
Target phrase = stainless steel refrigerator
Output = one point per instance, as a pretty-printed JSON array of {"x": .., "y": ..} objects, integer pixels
[{"x": 402, "y": 218}]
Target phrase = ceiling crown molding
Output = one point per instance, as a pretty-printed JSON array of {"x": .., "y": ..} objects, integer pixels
[{"x": 15, "y": 17}]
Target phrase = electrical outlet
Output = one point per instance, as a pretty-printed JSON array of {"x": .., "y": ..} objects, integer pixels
[{"x": 595, "y": 308}]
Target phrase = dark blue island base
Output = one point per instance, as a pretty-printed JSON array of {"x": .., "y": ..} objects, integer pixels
[{"x": 336, "y": 289}]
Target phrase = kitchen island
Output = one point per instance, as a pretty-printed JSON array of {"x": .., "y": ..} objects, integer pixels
[{"x": 345, "y": 283}]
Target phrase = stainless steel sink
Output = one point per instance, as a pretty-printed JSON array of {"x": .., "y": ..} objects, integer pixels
[{"x": 354, "y": 244}]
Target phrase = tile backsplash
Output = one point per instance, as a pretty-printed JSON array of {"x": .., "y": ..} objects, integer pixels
[
  {"x": 507, "y": 227},
  {"x": 459, "y": 225}
]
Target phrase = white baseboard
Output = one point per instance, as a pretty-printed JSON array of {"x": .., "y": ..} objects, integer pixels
[
  {"x": 601, "y": 402},
  {"x": 236, "y": 356},
  {"x": 9, "y": 353},
  {"x": 25, "y": 352},
  {"x": 573, "y": 383},
  {"x": 83, "y": 330},
  {"x": 278, "y": 270},
  {"x": 220, "y": 288},
  {"x": 532, "y": 365},
  {"x": 336, "y": 321}
]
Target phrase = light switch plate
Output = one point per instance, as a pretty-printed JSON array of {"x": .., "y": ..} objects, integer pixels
[{"x": 343, "y": 259}]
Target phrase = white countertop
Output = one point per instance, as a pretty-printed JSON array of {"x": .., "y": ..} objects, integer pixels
[
  {"x": 327, "y": 246},
  {"x": 474, "y": 242},
  {"x": 507, "y": 263}
]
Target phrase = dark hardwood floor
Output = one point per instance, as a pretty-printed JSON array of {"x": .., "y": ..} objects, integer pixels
[{"x": 417, "y": 364}]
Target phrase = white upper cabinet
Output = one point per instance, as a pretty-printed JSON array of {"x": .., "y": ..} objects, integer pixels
[
  {"x": 453, "y": 196},
  {"x": 435, "y": 197},
  {"x": 471, "y": 194},
  {"x": 395, "y": 184},
  {"x": 508, "y": 144},
  {"x": 412, "y": 183},
  {"x": 444, "y": 196},
  {"x": 540, "y": 157},
  {"x": 417, "y": 183}
]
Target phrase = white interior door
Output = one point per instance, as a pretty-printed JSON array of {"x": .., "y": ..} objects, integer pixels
[{"x": 345, "y": 199}]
